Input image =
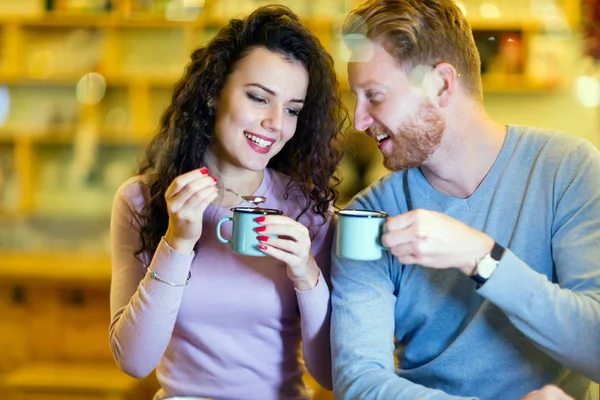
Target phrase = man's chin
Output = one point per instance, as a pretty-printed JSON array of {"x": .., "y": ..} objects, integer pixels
[{"x": 398, "y": 165}]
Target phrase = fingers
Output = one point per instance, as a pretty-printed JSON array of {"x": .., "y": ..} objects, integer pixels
[
  {"x": 403, "y": 220},
  {"x": 404, "y": 236},
  {"x": 548, "y": 392},
  {"x": 183, "y": 180},
  {"x": 404, "y": 228},
  {"x": 194, "y": 192},
  {"x": 554, "y": 393},
  {"x": 197, "y": 203},
  {"x": 289, "y": 246},
  {"x": 530, "y": 395},
  {"x": 284, "y": 226},
  {"x": 293, "y": 241},
  {"x": 409, "y": 253},
  {"x": 281, "y": 255}
]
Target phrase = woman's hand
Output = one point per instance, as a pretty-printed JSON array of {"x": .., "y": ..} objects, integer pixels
[
  {"x": 292, "y": 246},
  {"x": 187, "y": 198}
]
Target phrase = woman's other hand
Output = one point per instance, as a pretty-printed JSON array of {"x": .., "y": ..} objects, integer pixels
[{"x": 292, "y": 246}]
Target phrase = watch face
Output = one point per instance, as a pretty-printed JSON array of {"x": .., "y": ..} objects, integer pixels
[{"x": 486, "y": 267}]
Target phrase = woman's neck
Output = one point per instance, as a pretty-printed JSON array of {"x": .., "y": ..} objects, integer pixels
[{"x": 229, "y": 176}]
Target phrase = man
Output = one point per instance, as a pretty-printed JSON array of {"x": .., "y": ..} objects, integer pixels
[{"x": 491, "y": 285}]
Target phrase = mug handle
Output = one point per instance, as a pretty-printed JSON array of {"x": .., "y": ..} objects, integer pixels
[{"x": 221, "y": 222}]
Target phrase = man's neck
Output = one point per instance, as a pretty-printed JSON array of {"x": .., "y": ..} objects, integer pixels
[{"x": 466, "y": 155}]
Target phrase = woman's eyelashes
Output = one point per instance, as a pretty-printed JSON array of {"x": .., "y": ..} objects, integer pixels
[
  {"x": 256, "y": 99},
  {"x": 293, "y": 112},
  {"x": 261, "y": 100}
]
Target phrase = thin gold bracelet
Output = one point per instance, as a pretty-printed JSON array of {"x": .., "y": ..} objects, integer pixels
[{"x": 157, "y": 277}]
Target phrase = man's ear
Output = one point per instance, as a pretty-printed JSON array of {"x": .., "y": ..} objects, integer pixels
[
  {"x": 441, "y": 83},
  {"x": 433, "y": 84}
]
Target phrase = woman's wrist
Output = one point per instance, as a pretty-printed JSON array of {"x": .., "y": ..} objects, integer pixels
[
  {"x": 181, "y": 246},
  {"x": 310, "y": 280}
]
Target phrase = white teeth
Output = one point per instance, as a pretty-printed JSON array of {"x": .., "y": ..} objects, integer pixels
[
  {"x": 258, "y": 141},
  {"x": 381, "y": 137}
]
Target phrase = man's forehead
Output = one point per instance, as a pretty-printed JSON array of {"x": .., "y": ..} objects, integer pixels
[{"x": 359, "y": 48}]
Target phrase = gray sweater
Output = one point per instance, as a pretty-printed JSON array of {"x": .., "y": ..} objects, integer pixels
[{"x": 535, "y": 321}]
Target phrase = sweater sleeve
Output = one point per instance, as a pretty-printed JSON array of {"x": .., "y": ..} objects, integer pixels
[
  {"x": 562, "y": 318},
  {"x": 143, "y": 310},
  {"x": 315, "y": 310},
  {"x": 362, "y": 331}
]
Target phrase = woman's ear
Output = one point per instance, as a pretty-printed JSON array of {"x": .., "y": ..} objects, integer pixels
[{"x": 212, "y": 104}]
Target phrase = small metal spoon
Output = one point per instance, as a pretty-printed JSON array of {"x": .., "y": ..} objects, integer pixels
[{"x": 256, "y": 200}]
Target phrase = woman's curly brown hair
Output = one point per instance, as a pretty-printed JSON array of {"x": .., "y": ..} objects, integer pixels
[{"x": 186, "y": 128}]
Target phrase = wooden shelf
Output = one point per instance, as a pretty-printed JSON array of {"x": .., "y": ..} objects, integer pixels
[
  {"x": 73, "y": 78},
  {"x": 515, "y": 83},
  {"x": 73, "y": 378},
  {"x": 66, "y": 135},
  {"x": 121, "y": 18},
  {"x": 505, "y": 25},
  {"x": 164, "y": 81},
  {"x": 153, "y": 20},
  {"x": 52, "y": 267},
  {"x": 100, "y": 20},
  {"x": 55, "y": 80},
  {"x": 59, "y": 20}
]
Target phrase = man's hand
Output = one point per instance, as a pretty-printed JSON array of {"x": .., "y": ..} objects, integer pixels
[
  {"x": 548, "y": 392},
  {"x": 432, "y": 239}
]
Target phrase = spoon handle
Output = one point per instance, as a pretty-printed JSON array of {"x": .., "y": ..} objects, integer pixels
[
  {"x": 242, "y": 198},
  {"x": 239, "y": 196}
]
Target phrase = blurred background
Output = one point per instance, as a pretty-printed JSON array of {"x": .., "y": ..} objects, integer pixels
[{"x": 82, "y": 86}]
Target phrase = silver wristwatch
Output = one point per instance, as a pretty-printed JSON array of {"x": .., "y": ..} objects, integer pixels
[{"x": 488, "y": 264}]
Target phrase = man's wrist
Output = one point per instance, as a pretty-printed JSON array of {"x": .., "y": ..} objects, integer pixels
[
  {"x": 479, "y": 252},
  {"x": 488, "y": 265}
]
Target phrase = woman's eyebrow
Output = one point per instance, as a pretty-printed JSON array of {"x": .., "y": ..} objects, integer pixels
[{"x": 272, "y": 93}]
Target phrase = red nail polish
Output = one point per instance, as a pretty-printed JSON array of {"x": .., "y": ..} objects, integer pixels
[
  {"x": 262, "y": 247},
  {"x": 262, "y": 238},
  {"x": 260, "y": 229},
  {"x": 204, "y": 171},
  {"x": 214, "y": 179},
  {"x": 260, "y": 219}
]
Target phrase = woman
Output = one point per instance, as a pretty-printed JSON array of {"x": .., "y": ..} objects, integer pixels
[{"x": 257, "y": 112}]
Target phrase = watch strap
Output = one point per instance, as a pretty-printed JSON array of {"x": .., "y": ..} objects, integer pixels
[
  {"x": 497, "y": 252},
  {"x": 479, "y": 279}
]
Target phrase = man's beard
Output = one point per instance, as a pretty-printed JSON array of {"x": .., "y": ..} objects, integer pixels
[{"x": 416, "y": 140}]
